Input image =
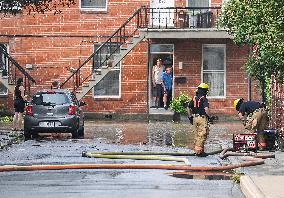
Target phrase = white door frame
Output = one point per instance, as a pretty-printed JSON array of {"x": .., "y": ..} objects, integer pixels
[{"x": 161, "y": 16}]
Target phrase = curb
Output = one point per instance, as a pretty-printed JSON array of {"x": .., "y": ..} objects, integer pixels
[{"x": 249, "y": 188}]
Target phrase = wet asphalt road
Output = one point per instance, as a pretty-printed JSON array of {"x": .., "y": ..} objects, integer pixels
[{"x": 110, "y": 136}]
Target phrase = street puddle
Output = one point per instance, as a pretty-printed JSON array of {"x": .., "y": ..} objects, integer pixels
[
  {"x": 203, "y": 175},
  {"x": 154, "y": 134}
]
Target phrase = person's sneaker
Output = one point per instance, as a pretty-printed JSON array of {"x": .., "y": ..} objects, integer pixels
[{"x": 166, "y": 107}]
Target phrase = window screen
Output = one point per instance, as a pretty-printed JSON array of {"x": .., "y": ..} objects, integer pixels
[
  {"x": 198, "y": 3},
  {"x": 104, "y": 55},
  {"x": 109, "y": 85},
  {"x": 214, "y": 69},
  {"x": 99, "y": 4}
]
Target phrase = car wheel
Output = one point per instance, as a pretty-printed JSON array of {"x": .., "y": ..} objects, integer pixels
[
  {"x": 81, "y": 132},
  {"x": 27, "y": 134},
  {"x": 75, "y": 134},
  {"x": 35, "y": 135}
]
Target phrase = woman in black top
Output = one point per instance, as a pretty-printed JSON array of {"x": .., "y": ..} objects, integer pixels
[{"x": 19, "y": 104}]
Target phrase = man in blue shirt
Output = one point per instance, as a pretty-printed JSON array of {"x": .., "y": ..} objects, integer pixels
[{"x": 167, "y": 82}]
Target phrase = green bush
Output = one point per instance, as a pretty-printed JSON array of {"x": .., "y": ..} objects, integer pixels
[
  {"x": 6, "y": 119},
  {"x": 177, "y": 103}
]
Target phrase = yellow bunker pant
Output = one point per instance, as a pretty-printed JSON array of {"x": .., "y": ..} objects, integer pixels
[
  {"x": 201, "y": 131},
  {"x": 258, "y": 122}
]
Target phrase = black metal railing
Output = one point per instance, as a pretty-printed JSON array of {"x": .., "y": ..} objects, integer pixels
[
  {"x": 182, "y": 17},
  {"x": 13, "y": 70},
  {"x": 144, "y": 17},
  {"x": 103, "y": 56}
]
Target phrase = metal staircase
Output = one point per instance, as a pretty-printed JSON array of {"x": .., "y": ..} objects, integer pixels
[
  {"x": 108, "y": 55},
  {"x": 11, "y": 70}
]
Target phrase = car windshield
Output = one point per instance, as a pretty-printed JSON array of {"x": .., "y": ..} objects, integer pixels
[{"x": 50, "y": 99}]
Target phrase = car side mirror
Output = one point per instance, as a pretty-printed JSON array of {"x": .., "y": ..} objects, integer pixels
[{"x": 82, "y": 103}]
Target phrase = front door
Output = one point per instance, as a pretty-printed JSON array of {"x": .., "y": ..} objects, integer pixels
[
  {"x": 165, "y": 53},
  {"x": 161, "y": 14}
]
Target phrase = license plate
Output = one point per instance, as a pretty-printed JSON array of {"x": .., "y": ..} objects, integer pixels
[{"x": 49, "y": 124}]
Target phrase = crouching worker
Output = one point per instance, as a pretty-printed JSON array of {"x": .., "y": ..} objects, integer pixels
[
  {"x": 254, "y": 118},
  {"x": 198, "y": 110}
]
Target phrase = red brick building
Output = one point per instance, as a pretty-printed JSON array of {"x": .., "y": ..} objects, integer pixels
[{"x": 183, "y": 33}]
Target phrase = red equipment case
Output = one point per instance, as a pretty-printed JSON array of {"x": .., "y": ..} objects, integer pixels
[{"x": 244, "y": 142}]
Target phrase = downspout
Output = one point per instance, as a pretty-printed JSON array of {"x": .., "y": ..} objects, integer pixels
[
  {"x": 249, "y": 88},
  {"x": 263, "y": 87},
  {"x": 148, "y": 73},
  {"x": 249, "y": 80}
]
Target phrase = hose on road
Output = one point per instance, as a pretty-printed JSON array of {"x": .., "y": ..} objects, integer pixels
[
  {"x": 89, "y": 154},
  {"x": 138, "y": 157},
  {"x": 247, "y": 161},
  {"x": 225, "y": 153}
]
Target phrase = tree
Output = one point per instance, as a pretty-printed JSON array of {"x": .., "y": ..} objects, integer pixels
[
  {"x": 33, "y": 6},
  {"x": 259, "y": 24}
]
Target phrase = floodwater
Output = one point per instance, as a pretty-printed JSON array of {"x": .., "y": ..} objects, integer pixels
[
  {"x": 152, "y": 133},
  {"x": 156, "y": 134},
  {"x": 203, "y": 175}
]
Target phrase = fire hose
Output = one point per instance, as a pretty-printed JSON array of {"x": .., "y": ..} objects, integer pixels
[{"x": 248, "y": 161}]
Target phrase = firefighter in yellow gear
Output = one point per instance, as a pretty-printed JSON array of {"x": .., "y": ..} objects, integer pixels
[
  {"x": 198, "y": 110},
  {"x": 254, "y": 118}
]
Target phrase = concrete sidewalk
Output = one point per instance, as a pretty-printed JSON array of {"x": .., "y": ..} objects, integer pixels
[
  {"x": 265, "y": 180},
  {"x": 263, "y": 186}
]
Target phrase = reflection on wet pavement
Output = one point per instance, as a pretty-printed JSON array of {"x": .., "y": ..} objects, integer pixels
[
  {"x": 151, "y": 133},
  {"x": 157, "y": 133},
  {"x": 203, "y": 175}
]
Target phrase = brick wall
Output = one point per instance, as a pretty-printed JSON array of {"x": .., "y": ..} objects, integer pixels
[
  {"x": 53, "y": 43},
  {"x": 277, "y": 105},
  {"x": 189, "y": 52}
]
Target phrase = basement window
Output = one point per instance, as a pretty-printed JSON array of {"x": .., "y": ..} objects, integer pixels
[
  {"x": 213, "y": 69},
  {"x": 110, "y": 85},
  {"x": 94, "y": 5}
]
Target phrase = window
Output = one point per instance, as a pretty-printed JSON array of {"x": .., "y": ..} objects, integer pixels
[
  {"x": 161, "y": 48},
  {"x": 96, "y": 5},
  {"x": 214, "y": 69},
  {"x": 110, "y": 85},
  {"x": 50, "y": 98},
  {"x": 198, "y": 3},
  {"x": 3, "y": 67}
]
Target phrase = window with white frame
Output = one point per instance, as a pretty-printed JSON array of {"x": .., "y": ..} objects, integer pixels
[
  {"x": 110, "y": 85},
  {"x": 4, "y": 68},
  {"x": 96, "y": 5},
  {"x": 213, "y": 67},
  {"x": 198, "y": 3}
]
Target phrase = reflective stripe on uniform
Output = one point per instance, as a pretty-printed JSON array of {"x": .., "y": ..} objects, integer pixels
[{"x": 194, "y": 101}]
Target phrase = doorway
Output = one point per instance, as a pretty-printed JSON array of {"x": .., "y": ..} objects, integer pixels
[
  {"x": 159, "y": 15},
  {"x": 165, "y": 53}
]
